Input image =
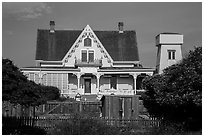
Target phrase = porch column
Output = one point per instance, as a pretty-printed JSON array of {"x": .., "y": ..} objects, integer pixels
[
  {"x": 67, "y": 81},
  {"x": 28, "y": 76},
  {"x": 78, "y": 79},
  {"x": 98, "y": 75},
  {"x": 135, "y": 81},
  {"x": 40, "y": 78}
]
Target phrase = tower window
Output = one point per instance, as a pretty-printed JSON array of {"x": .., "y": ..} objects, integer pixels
[
  {"x": 87, "y": 42},
  {"x": 171, "y": 54}
]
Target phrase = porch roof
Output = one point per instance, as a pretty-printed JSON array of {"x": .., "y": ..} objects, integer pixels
[
  {"x": 103, "y": 69},
  {"x": 37, "y": 68},
  {"x": 126, "y": 69}
]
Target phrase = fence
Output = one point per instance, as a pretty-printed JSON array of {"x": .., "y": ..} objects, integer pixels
[
  {"x": 52, "y": 107},
  {"x": 69, "y": 107},
  {"x": 49, "y": 123}
]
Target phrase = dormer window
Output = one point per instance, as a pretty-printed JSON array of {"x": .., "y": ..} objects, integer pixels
[{"x": 87, "y": 42}]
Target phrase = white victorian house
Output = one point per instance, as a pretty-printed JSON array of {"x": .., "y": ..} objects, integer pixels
[{"x": 91, "y": 62}]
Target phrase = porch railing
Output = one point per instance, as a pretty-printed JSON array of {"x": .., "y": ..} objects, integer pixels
[
  {"x": 117, "y": 92},
  {"x": 73, "y": 92}
]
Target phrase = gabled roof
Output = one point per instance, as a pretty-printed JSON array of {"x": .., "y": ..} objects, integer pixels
[{"x": 54, "y": 46}]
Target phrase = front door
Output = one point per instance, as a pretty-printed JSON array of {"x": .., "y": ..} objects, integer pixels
[{"x": 87, "y": 83}]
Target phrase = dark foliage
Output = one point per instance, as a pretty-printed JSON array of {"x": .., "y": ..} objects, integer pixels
[
  {"x": 82, "y": 125},
  {"x": 11, "y": 78},
  {"x": 18, "y": 90},
  {"x": 176, "y": 94},
  {"x": 23, "y": 130},
  {"x": 48, "y": 93},
  {"x": 14, "y": 126}
]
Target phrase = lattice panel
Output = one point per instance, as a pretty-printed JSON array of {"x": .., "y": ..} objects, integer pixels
[
  {"x": 32, "y": 76},
  {"x": 65, "y": 81},
  {"x": 49, "y": 79},
  {"x": 59, "y": 85},
  {"x": 44, "y": 79},
  {"x": 54, "y": 80}
]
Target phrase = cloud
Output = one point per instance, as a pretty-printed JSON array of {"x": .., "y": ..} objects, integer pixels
[{"x": 25, "y": 11}]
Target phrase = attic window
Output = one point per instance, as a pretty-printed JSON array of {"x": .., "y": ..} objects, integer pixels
[
  {"x": 91, "y": 56},
  {"x": 87, "y": 56},
  {"x": 84, "y": 56},
  {"x": 87, "y": 42}
]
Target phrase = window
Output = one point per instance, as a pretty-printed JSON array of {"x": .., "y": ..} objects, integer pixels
[
  {"x": 171, "y": 54},
  {"x": 91, "y": 56},
  {"x": 84, "y": 56},
  {"x": 87, "y": 56},
  {"x": 87, "y": 42},
  {"x": 113, "y": 82}
]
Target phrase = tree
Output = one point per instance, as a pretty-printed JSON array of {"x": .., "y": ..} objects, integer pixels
[
  {"x": 18, "y": 89},
  {"x": 11, "y": 78},
  {"x": 48, "y": 93},
  {"x": 176, "y": 94}
]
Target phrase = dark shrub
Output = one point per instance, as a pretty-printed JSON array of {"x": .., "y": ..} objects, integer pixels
[
  {"x": 23, "y": 130},
  {"x": 14, "y": 126},
  {"x": 83, "y": 125}
]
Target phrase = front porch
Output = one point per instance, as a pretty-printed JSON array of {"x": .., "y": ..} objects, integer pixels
[
  {"x": 90, "y": 80},
  {"x": 103, "y": 84}
]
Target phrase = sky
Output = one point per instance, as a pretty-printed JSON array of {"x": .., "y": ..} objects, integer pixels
[{"x": 20, "y": 22}]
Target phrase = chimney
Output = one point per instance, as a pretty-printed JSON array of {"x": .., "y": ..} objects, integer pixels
[
  {"x": 120, "y": 27},
  {"x": 52, "y": 26}
]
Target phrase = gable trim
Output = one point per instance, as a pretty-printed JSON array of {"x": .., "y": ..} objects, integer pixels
[
  {"x": 99, "y": 42},
  {"x": 79, "y": 40}
]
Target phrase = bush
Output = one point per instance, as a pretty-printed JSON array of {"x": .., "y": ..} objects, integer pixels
[
  {"x": 15, "y": 126},
  {"x": 83, "y": 125},
  {"x": 176, "y": 94},
  {"x": 23, "y": 130},
  {"x": 168, "y": 128}
]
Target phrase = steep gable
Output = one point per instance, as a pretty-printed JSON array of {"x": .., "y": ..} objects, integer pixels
[{"x": 87, "y": 43}]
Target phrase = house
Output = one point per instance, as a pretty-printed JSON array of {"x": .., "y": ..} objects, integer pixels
[{"x": 93, "y": 63}]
